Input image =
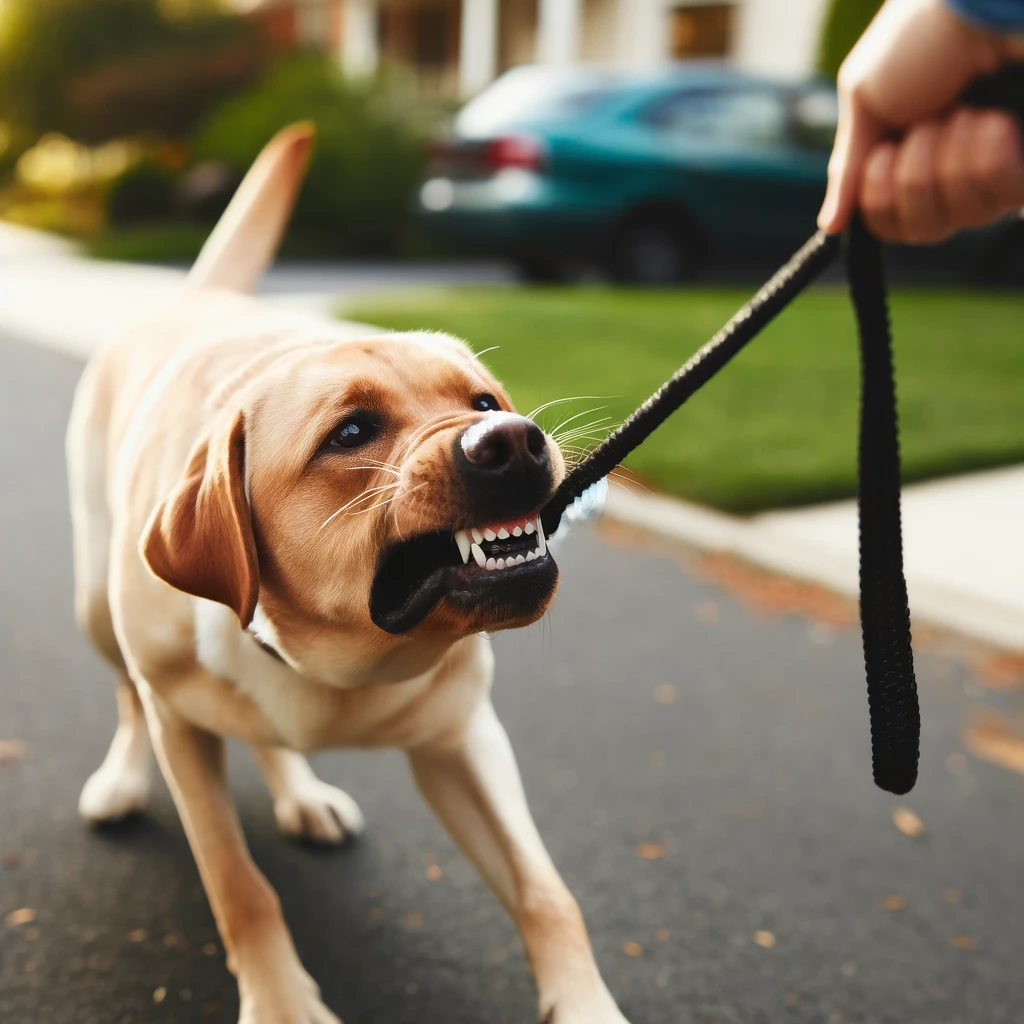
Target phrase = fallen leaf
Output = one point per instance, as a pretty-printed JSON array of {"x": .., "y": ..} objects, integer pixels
[
  {"x": 707, "y": 612},
  {"x": 633, "y": 949},
  {"x": 666, "y": 694},
  {"x": 1002, "y": 671},
  {"x": 414, "y": 922},
  {"x": 434, "y": 872},
  {"x": 651, "y": 851},
  {"x": 663, "y": 934},
  {"x": 170, "y": 941},
  {"x": 908, "y": 822},
  {"x": 210, "y": 949},
  {"x": 11, "y": 751},
  {"x": 16, "y": 918},
  {"x": 159, "y": 994},
  {"x": 764, "y": 939},
  {"x": 139, "y": 935},
  {"x": 894, "y": 902},
  {"x": 963, "y": 941},
  {"x": 31, "y": 934},
  {"x": 992, "y": 738}
]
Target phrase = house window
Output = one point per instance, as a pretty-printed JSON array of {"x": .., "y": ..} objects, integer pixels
[{"x": 701, "y": 30}]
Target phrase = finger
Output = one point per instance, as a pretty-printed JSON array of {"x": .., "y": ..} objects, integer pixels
[
  {"x": 966, "y": 201},
  {"x": 858, "y": 131},
  {"x": 877, "y": 192},
  {"x": 996, "y": 163},
  {"x": 919, "y": 209}
]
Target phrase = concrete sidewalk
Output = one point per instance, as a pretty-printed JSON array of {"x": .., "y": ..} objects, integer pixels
[{"x": 963, "y": 546}]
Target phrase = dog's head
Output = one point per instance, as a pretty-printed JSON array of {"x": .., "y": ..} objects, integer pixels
[{"x": 385, "y": 484}]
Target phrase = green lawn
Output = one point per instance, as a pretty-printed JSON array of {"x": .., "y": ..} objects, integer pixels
[{"x": 778, "y": 426}]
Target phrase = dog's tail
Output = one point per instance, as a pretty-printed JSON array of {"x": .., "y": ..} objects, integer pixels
[{"x": 246, "y": 238}]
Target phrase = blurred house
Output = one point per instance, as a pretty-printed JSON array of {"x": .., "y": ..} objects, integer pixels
[{"x": 457, "y": 47}]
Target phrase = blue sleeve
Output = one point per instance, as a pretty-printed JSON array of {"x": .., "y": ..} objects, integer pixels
[{"x": 1001, "y": 15}]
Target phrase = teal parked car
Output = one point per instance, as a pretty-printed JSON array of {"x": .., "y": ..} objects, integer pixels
[{"x": 645, "y": 175}]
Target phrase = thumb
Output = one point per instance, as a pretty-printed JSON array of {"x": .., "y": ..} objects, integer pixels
[{"x": 858, "y": 131}]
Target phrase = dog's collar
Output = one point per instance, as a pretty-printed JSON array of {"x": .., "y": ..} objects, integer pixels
[{"x": 261, "y": 643}]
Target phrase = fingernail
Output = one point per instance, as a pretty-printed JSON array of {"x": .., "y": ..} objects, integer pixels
[{"x": 828, "y": 211}]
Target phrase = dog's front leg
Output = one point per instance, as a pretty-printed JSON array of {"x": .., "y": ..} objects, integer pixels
[
  {"x": 273, "y": 986},
  {"x": 472, "y": 782}
]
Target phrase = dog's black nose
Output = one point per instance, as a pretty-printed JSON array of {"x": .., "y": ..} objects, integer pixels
[
  {"x": 497, "y": 443},
  {"x": 504, "y": 463}
]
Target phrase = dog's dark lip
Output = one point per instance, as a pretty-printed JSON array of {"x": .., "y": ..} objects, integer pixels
[{"x": 412, "y": 576}]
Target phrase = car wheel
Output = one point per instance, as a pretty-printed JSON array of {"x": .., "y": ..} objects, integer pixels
[
  {"x": 541, "y": 270},
  {"x": 654, "y": 253}
]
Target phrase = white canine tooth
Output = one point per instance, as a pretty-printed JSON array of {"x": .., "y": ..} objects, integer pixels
[
  {"x": 517, "y": 532},
  {"x": 520, "y": 559},
  {"x": 503, "y": 534},
  {"x": 478, "y": 555},
  {"x": 542, "y": 547},
  {"x": 478, "y": 536},
  {"x": 531, "y": 555},
  {"x": 501, "y": 563},
  {"x": 528, "y": 529},
  {"x": 464, "y": 543},
  {"x": 491, "y": 563}
]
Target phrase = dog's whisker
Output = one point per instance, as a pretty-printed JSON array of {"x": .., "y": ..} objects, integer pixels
[
  {"x": 480, "y": 355},
  {"x": 359, "y": 499},
  {"x": 579, "y": 415},
  {"x": 561, "y": 401}
]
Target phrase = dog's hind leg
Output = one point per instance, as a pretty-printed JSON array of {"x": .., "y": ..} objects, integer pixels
[
  {"x": 121, "y": 785},
  {"x": 305, "y": 806}
]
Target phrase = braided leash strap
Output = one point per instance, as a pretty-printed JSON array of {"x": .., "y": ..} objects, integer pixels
[{"x": 885, "y": 618}]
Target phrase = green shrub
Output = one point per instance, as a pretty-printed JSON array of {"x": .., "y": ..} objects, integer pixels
[
  {"x": 844, "y": 25},
  {"x": 142, "y": 195},
  {"x": 369, "y": 153}
]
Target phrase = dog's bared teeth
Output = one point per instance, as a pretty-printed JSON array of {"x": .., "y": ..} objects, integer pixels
[
  {"x": 528, "y": 529},
  {"x": 503, "y": 534},
  {"x": 478, "y": 536},
  {"x": 491, "y": 563},
  {"x": 542, "y": 547},
  {"x": 520, "y": 559},
  {"x": 490, "y": 535},
  {"x": 531, "y": 555},
  {"x": 478, "y": 555},
  {"x": 462, "y": 539},
  {"x": 501, "y": 563},
  {"x": 517, "y": 532}
]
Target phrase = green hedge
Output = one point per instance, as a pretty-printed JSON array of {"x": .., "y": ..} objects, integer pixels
[
  {"x": 844, "y": 25},
  {"x": 370, "y": 153}
]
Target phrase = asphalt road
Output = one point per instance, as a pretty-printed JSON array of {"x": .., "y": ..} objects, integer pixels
[{"x": 652, "y": 707}]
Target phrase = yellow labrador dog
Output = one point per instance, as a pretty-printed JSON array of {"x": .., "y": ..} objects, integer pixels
[{"x": 295, "y": 533}]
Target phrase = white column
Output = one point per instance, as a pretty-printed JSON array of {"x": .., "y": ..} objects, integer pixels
[
  {"x": 642, "y": 37},
  {"x": 359, "y": 36},
  {"x": 558, "y": 31},
  {"x": 478, "y": 48}
]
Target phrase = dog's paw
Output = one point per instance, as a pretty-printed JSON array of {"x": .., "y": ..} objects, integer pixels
[
  {"x": 300, "y": 1005},
  {"x": 318, "y": 812},
  {"x": 595, "y": 1006},
  {"x": 114, "y": 791}
]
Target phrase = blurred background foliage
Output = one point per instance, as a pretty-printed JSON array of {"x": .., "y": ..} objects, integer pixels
[
  {"x": 128, "y": 123},
  {"x": 844, "y": 24}
]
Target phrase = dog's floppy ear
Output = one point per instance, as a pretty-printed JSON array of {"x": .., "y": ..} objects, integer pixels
[{"x": 200, "y": 538}]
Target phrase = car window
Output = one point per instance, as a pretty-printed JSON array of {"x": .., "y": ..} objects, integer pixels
[
  {"x": 515, "y": 98},
  {"x": 752, "y": 116}
]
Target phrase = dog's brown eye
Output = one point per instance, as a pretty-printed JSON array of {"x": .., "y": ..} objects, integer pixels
[
  {"x": 353, "y": 432},
  {"x": 485, "y": 403}
]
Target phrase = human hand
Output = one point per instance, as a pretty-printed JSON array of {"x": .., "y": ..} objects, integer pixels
[{"x": 953, "y": 166}]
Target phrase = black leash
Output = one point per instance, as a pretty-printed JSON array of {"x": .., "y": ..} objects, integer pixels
[
  {"x": 885, "y": 616},
  {"x": 884, "y": 613}
]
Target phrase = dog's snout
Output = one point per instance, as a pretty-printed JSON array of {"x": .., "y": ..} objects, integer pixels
[
  {"x": 495, "y": 446},
  {"x": 505, "y": 466}
]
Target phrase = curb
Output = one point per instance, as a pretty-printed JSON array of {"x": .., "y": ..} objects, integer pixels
[{"x": 757, "y": 541}]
